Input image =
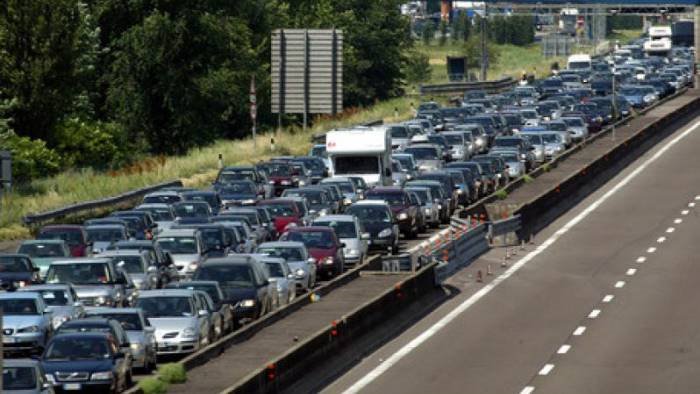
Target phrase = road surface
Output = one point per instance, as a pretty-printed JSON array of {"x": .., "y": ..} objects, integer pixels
[{"x": 604, "y": 301}]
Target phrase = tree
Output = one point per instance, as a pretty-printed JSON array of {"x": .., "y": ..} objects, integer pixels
[
  {"x": 417, "y": 67},
  {"x": 428, "y": 33},
  {"x": 457, "y": 31},
  {"x": 38, "y": 54},
  {"x": 443, "y": 33}
]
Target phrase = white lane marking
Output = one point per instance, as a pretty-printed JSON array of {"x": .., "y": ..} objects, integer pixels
[
  {"x": 641, "y": 259},
  {"x": 651, "y": 250},
  {"x": 678, "y": 221},
  {"x": 631, "y": 272},
  {"x": 527, "y": 390},
  {"x": 685, "y": 212},
  {"x": 697, "y": 198},
  {"x": 620, "y": 284},
  {"x": 608, "y": 298},
  {"x": 579, "y": 331},
  {"x": 466, "y": 304},
  {"x": 594, "y": 314},
  {"x": 546, "y": 369},
  {"x": 661, "y": 240},
  {"x": 691, "y": 205},
  {"x": 564, "y": 349},
  {"x": 670, "y": 230}
]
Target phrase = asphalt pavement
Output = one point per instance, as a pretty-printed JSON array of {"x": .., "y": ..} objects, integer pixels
[{"x": 602, "y": 302}]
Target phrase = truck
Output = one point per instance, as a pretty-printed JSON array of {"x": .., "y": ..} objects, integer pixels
[
  {"x": 659, "y": 42},
  {"x": 579, "y": 62},
  {"x": 683, "y": 33},
  {"x": 363, "y": 152}
]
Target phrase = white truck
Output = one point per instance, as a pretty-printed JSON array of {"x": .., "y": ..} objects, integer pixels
[
  {"x": 361, "y": 151},
  {"x": 659, "y": 42},
  {"x": 579, "y": 62}
]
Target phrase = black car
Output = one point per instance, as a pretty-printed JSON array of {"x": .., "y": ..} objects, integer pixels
[
  {"x": 378, "y": 220},
  {"x": 318, "y": 199},
  {"x": 86, "y": 362},
  {"x": 211, "y": 197},
  {"x": 97, "y": 324},
  {"x": 167, "y": 271},
  {"x": 17, "y": 270},
  {"x": 448, "y": 187},
  {"x": 216, "y": 242}
]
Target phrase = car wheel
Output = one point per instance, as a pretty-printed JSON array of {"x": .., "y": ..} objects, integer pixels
[{"x": 129, "y": 381}]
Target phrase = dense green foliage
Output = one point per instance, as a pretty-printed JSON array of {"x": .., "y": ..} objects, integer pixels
[{"x": 100, "y": 82}]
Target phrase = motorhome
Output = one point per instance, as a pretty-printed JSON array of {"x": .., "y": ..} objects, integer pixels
[
  {"x": 659, "y": 42},
  {"x": 362, "y": 151},
  {"x": 579, "y": 62}
]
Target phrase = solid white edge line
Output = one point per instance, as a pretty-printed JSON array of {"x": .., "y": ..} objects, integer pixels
[
  {"x": 691, "y": 205},
  {"x": 670, "y": 230},
  {"x": 661, "y": 240},
  {"x": 546, "y": 369},
  {"x": 685, "y": 212},
  {"x": 651, "y": 250},
  {"x": 466, "y": 304},
  {"x": 678, "y": 221},
  {"x": 563, "y": 349}
]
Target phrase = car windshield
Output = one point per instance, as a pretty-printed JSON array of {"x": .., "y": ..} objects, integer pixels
[
  {"x": 348, "y": 165},
  {"x": 71, "y": 237},
  {"x": 319, "y": 151},
  {"x": 551, "y": 138},
  {"x": 312, "y": 239},
  {"x": 405, "y": 161},
  {"x": 166, "y": 306},
  {"x": 178, "y": 245},
  {"x": 312, "y": 196},
  {"x": 161, "y": 199},
  {"x": 79, "y": 274},
  {"x": 398, "y": 132},
  {"x": 42, "y": 250},
  {"x": 18, "y": 378},
  {"x": 630, "y": 91},
  {"x": 575, "y": 122},
  {"x": 423, "y": 194},
  {"x": 213, "y": 237},
  {"x": 231, "y": 176},
  {"x": 507, "y": 142},
  {"x": 279, "y": 169},
  {"x": 238, "y": 188},
  {"x": 342, "y": 229},
  {"x": 289, "y": 254},
  {"x": 209, "y": 198},
  {"x": 345, "y": 186},
  {"x": 510, "y": 157},
  {"x": 230, "y": 275},
  {"x": 132, "y": 264},
  {"x": 454, "y": 139},
  {"x": 426, "y": 153},
  {"x": 275, "y": 269},
  {"x": 14, "y": 264},
  {"x": 159, "y": 214},
  {"x": 184, "y": 210},
  {"x": 128, "y": 321},
  {"x": 534, "y": 139},
  {"x": 54, "y": 297},
  {"x": 391, "y": 198},
  {"x": 284, "y": 210},
  {"x": 367, "y": 213},
  {"x": 105, "y": 235},
  {"x": 18, "y": 306},
  {"x": 78, "y": 348},
  {"x": 212, "y": 290}
]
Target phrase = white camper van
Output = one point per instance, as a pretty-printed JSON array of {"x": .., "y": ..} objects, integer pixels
[
  {"x": 361, "y": 151},
  {"x": 659, "y": 42}
]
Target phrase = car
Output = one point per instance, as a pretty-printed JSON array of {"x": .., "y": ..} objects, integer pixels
[
  {"x": 323, "y": 245},
  {"x": 211, "y": 197},
  {"x": 283, "y": 175},
  {"x": 350, "y": 232},
  {"x": 515, "y": 167},
  {"x": 97, "y": 281},
  {"x": 163, "y": 215},
  {"x": 74, "y": 235},
  {"x": 163, "y": 260},
  {"x": 228, "y": 175},
  {"x": 86, "y": 361},
  {"x": 24, "y": 376},
  {"x": 315, "y": 165},
  {"x": 285, "y": 213},
  {"x": 18, "y": 270},
  {"x": 186, "y": 247},
  {"x": 427, "y": 156},
  {"x": 398, "y": 174},
  {"x": 319, "y": 151},
  {"x": 245, "y": 238},
  {"x": 318, "y": 199},
  {"x": 138, "y": 264},
  {"x": 448, "y": 188},
  {"x": 405, "y": 212},
  {"x": 100, "y": 236},
  {"x": 431, "y": 210},
  {"x": 216, "y": 319},
  {"x": 377, "y": 218},
  {"x": 146, "y": 226},
  {"x": 577, "y": 127},
  {"x": 26, "y": 323},
  {"x": 242, "y": 192},
  {"x": 216, "y": 243},
  {"x": 181, "y": 323},
  {"x": 43, "y": 251},
  {"x": 261, "y": 230},
  {"x": 192, "y": 209},
  {"x": 553, "y": 144},
  {"x": 214, "y": 291},
  {"x": 139, "y": 332},
  {"x": 347, "y": 188},
  {"x": 244, "y": 283},
  {"x": 282, "y": 278},
  {"x": 437, "y": 190},
  {"x": 459, "y": 145},
  {"x": 479, "y": 178},
  {"x": 61, "y": 300},
  {"x": 302, "y": 207},
  {"x": 408, "y": 164},
  {"x": 98, "y": 324},
  {"x": 297, "y": 257},
  {"x": 162, "y": 197}
]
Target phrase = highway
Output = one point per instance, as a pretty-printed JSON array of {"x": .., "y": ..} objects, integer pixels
[{"x": 603, "y": 302}]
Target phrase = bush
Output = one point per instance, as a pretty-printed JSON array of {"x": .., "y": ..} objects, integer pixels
[
  {"x": 153, "y": 386},
  {"x": 527, "y": 178},
  {"x": 172, "y": 373},
  {"x": 31, "y": 159},
  {"x": 94, "y": 144},
  {"x": 501, "y": 194},
  {"x": 417, "y": 67}
]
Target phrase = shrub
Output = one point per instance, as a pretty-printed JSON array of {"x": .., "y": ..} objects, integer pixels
[
  {"x": 417, "y": 67},
  {"x": 501, "y": 194},
  {"x": 153, "y": 386},
  {"x": 93, "y": 144},
  {"x": 30, "y": 158},
  {"x": 172, "y": 373},
  {"x": 527, "y": 178}
]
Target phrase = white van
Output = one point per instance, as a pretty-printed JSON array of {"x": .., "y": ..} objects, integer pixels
[
  {"x": 364, "y": 152},
  {"x": 579, "y": 62}
]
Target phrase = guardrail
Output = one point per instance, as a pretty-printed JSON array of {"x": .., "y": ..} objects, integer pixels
[
  {"x": 460, "y": 87},
  {"x": 95, "y": 204}
]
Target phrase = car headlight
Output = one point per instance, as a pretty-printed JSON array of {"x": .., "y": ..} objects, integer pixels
[
  {"x": 248, "y": 202},
  {"x": 188, "y": 333},
  {"x": 106, "y": 375},
  {"x": 460, "y": 191},
  {"x": 136, "y": 346},
  {"x": 323, "y": 212},
  {"x": 248, "y": 303},
  {"x": 439, "y": 206},
  {"x": 301, "y": 183},
  {"x": 104, "y": 300},
  {"x": 403, "y": 216},
  {"x": 385, "y": 233},
  {"x": 327, "y": 260},
  {"x": 347, "y": 201},
  {"x": 50, "y": 378},
  {"x": 300, "y": 273},
  {"x": 286, "y": 183},
  {"x": 427, "y": 211},
  {"x": 29, "y": 329},
  {"x": 523, "y": 156},
  {"x": 58, "y": 320},
  {"x": 351, "y": 252},
  {"x": 192, "y": 266}
]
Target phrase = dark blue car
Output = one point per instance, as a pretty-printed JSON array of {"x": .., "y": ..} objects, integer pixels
[
  {"x": 86, "y": 362},
  {"x": 17, "y": 270}
]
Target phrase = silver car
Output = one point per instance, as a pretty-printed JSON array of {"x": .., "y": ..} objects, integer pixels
[
  {"x": 431, "y": 210},
  {"x": 24, "y": 376},
  {"x": 283, "y": 279},
  {"x": 103, "y": 235},
  {"x": 303, "y": 266},
  {"x": 186, "y": 248},
  {"x": 138, "y": 265},
  {"x": 180, "y": 327},
  {"x": 515, "y": 166},
  {"x": 347, "y": 187},
  {"x": 535, "y": 139},
  {"x": 213, "y": 289},
  {"x": 349, "y": 232},
  {"x": 577, "y": 128},
  {"x": 139, "y": 331},
  {"x": 97, "y": 281},
  {"x": 26, "y": 322},
  {"x": 553, "y": 144},
  {"x": 162, "y": 213},
  {"x": 61, "y": 300},
  {"x": 427, "y": 156}
]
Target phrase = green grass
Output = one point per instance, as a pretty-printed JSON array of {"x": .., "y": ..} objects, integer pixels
[
  {"x": 153, "y": 386},
  {"x": 501, "y": 194},
  {"x": 172, "y": 373},
  {"x": 624, "y": 36}
]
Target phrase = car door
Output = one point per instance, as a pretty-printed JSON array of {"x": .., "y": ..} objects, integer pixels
[
  {"x": 202, "y": 319},
  {"x": 360, "y": 230},
  {"x": 215, "y": 318}
]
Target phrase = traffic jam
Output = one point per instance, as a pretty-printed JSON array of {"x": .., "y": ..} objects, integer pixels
[{"x": 87, "y": 307}]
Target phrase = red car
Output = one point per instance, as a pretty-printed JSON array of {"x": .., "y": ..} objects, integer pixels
[
  {"x": 284, "y": 212},
  {"x": 74, "y": 235},
  {"x": 323, "y": 245}
]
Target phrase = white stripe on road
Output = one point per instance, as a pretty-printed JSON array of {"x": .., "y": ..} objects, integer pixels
[
  {"x": 651, "y": 250},
  {"x": 641, "y": 259},
  {"x": 594, "y": 314},
  {"x": 685, "y": 212},
  {"x": 670, "y": 230},
  {"x": 678, "y": 221},
  {"x": 564, "y": 349},
  {"x": 546, "y": 369},
  {"x": 608, "y": 298},
  {"x": 691, "y": 205},
  {"x": 466, "y": 304},
  {"x": 579, "y": 331},
  {"x": 631, "y": 272},
  {"x": 661, "y": 240},
  {"x": 527, "y": 390},
  {"x": 619, "y": 284}
]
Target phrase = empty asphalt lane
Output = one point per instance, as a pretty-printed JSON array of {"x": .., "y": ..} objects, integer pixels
[{"x": 502, "y": 341}]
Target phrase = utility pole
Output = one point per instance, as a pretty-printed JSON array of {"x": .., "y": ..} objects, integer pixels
[{"x": 484, "y": 53}]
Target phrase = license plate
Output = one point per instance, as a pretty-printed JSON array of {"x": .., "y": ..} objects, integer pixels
[
  {"x": 72, "y": 386},
  {"x": 8, "y": 340},
  {"x": 163, "y": 344},
  {"x": 369, "y": 242}
]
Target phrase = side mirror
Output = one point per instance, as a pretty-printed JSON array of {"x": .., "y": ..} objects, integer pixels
[
  {"x": 342, "y": 244},
  {"x": 77, "y": 304},
  {"x": 203, "y": 313},
  {"x": 47, "y": 311},
  {"x": 365, "y": 236},
  {"x": 311, "y": 260},
  {"x": 152, "y": 269},
  {"x": 149, "y": 330},
  {"x": 119, "y": 355},
  {"x": 290, "y": 276}
]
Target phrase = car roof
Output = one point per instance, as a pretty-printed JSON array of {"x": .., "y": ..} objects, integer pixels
[
  {"x": 166, "y": 293},
  {"x": 176, "y": 232},
  {"x": 62, "y": 227},
  {"x": 385, "y": 189},
  {"x": 42, "y": 241},
  {"x": 24, "y": 295},
  {"x": 192, "y": 282},
  {"x": 282, "y": 244},
  {"x": 105, "y": 226},
  {"x": 372, "y": 202},
  {"x": 20, "y": 362},
  {"x": 88, "y": 334},
  {"x": 120, "y": 311},
  {"x": 91, "y": 320},
  {"x": 79, "y": 260},
  {"x": 45, "y": 286},
  {"x": 123, "y": 252},
  {"x": 310, "y": 229},
  {"x": 335, "y": 218}
]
